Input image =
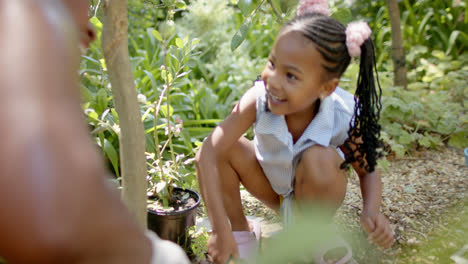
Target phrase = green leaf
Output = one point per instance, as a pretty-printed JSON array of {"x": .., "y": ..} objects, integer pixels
[
  {"x": 276, "y": 4},
  {"x": 240, "y": 35},
  {"x": 236, "y": 41},
  {"x": 425, "y": 142},
  {"x": 181, "y": 5},
  {"x": 208, "y": 102},
  {"x": 287, "y": 5},
  {"x": 112, "y": 155},
  {"x": 398, "y": 149},
  {"x": 424, "y": 21},
  {"x": 87, "y": 96},
  {"x": 186, "y": 138},
  {"x": 459, "y": 140},
  {"x": 343, "y": 15},
  {"x": 103, "y": 64},
  {"x": 195, "y": 41},
  {"x": 384, "y": 164},
  {"x": 115, "y": 116},
  {"x": 452, "y": 41},
  {"x": 152, "y": 80},
  {"x": 246, "y": 6},
  {"x": 96, "y": 23},
  {"x": 405, "y": 138},
  {"x": 101, "y": 101},
  {"x": 157, "y": 35},
  {"x": 179, "y": 43},
  {"x": 93, "y": 115},
  {"x": 244, "y": 28},
  {"x": 163, "y": 110},
  {"x": 166, "y": 76}
]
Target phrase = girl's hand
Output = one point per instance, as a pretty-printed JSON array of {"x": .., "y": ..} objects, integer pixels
[
  {"x": 221, "y": 247},
  {"x": 378, "y": 227}
]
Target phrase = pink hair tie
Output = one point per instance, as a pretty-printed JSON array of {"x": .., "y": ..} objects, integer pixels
[
  {"x": 313, "y": 6},
  {"x": 356, "y": 34}
]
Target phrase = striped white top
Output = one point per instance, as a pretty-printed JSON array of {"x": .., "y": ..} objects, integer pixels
[{"x": 274, "y": 147}]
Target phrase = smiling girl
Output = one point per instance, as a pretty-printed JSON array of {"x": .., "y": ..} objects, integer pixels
[{"x": 307, "y": 130}]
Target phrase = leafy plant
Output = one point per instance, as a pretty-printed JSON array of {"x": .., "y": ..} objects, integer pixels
[
  {"x": 98, "y": 104},
  {"x": 161, "y": 63},
  {"x": 199, "y": 240},
  {"x": 434, "y": 109},
  {"x": 176, "y": 59},
  {"x": 220, "y": 76}
]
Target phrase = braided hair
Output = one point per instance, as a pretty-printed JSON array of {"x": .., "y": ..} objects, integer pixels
[{"x": 363, "y": 144}]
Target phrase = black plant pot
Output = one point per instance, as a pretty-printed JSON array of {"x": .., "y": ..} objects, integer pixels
[{"x": 174, "y": 225}]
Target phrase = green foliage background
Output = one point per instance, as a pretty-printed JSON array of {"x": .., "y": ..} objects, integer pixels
[{"x": 221, "y": 46}]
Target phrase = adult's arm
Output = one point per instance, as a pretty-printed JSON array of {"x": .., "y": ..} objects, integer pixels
[{"x": 55, "y": 206}]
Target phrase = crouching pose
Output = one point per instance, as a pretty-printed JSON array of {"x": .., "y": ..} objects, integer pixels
[{"x": 306, "y": 131}]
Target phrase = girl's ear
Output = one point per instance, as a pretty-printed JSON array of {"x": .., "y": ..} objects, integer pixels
[{"x": 329, "y": 87}]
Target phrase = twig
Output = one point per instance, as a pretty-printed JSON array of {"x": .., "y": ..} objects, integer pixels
[
  {"x": 97, "y": 7},
  {"x": 277, "y": 13},
  {"x": 416, "y": 231}
]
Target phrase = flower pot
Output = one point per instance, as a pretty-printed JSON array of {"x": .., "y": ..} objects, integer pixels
[{"x": 174, "y": 225}]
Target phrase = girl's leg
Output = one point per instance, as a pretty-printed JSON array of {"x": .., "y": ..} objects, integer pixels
[
  {"x": 319, "y": 179},
  {"x": 241, "y": 167}
]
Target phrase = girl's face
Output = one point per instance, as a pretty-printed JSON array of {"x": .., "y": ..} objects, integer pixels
[{"x": 294, "y": 76}]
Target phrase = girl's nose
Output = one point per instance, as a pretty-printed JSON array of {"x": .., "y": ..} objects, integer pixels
[{"x": 271, "y": 80}]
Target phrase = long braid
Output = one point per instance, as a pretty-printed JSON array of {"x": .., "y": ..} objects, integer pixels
[
  {"x": 329, "y": 36},
  {"x": 367, "y": 112}
]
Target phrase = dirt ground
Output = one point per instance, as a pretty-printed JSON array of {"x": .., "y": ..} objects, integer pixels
[{"x": 425, "y": 197}]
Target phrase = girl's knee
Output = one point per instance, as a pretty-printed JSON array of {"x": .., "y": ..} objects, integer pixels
[
  {"x": 318, "y": 161},
  {"x": 318, "y": 174},
  {"x": 326, "y": 156}
]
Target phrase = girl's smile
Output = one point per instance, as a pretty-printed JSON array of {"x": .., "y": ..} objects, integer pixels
[{"x": 274, "y": 99}]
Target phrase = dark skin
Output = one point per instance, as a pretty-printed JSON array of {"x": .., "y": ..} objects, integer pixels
[
  {"x": 55, "y": 204},
  {"x": 294, "y": 82}
]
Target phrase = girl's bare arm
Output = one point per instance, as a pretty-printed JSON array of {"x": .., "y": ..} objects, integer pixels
[
  {"x": 215, "y": 147},
  {"x": 372, "y": 220}
]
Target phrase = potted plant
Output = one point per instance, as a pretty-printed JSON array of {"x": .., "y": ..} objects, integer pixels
[{"x": 171, "y": 207}]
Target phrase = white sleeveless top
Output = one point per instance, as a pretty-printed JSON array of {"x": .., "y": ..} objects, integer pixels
[{"x": 274, "y": 147}]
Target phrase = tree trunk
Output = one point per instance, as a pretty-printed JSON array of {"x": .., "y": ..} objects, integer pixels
[
  {"x": 398, "y": 53},
  {"x": 132, "y": 137}
]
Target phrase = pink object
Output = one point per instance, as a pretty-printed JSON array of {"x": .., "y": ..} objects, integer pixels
[
  {"x": 248, "y": 242},
  {"x": 313, "y": 6},
  {"x": 356, "y": 34}
]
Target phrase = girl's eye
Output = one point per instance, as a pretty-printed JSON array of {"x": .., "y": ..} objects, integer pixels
[{"x": 291, "y": 76}]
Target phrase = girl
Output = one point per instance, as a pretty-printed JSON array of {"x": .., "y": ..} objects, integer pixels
[{"x": 306, "y": 131}]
